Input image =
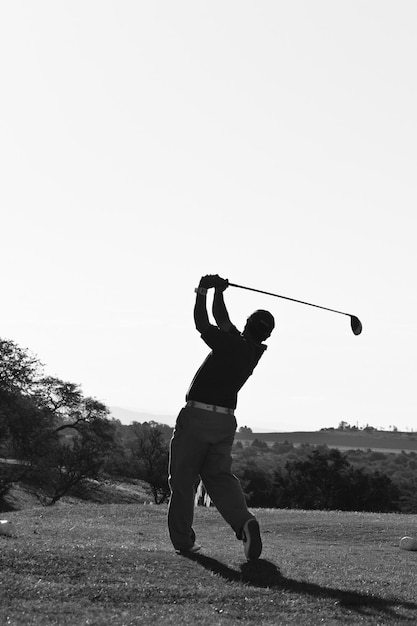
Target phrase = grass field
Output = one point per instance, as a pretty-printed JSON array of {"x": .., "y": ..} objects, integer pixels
[{"x": 87, "y": 563}]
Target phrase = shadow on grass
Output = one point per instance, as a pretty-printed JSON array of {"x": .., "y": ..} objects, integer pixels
[{"x": 262, "y": 573}]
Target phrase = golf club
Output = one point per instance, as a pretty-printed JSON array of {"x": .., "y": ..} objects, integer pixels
[{"x": 355, "y": 322}]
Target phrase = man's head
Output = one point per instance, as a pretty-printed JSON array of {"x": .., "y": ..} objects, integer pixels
[{"x": 260, "y": 325}]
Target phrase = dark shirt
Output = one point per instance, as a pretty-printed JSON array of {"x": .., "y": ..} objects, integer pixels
[{"x": 226, "y": 369}]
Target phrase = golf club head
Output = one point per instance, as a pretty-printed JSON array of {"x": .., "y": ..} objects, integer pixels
[{"x": 355, "y": 325}]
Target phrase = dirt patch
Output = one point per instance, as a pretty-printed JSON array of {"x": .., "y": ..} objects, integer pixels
[{"x": 109, "y": 491}]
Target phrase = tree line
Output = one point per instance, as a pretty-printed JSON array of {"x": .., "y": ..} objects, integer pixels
[
  {"x": 283, "y": 475},
  {"x": 312, "y": 477},
  {"x": 54, "y": 439}
]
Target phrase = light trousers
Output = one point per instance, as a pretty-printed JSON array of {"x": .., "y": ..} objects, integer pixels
[{"x": 201, "y": 447}]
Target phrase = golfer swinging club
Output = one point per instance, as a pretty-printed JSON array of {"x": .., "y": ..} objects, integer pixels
[{"x": 204, "y": 432}]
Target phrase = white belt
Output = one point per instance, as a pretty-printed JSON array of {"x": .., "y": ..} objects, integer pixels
[{"x": 210, "y": 407}]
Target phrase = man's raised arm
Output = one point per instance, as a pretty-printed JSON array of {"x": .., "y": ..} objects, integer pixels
[
  {"x": 220, "y": 313},
  {"x": 201, "y": 318}
]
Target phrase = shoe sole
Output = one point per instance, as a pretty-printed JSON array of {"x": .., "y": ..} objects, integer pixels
[
  {"x": 192, "y": 550},
  {"x": 253, "y": 543}
]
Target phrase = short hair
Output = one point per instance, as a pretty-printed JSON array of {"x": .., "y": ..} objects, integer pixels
[{"x": 261, "y": 324}]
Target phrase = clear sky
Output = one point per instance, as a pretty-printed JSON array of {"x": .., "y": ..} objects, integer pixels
[{"x": 143, "y": 144}]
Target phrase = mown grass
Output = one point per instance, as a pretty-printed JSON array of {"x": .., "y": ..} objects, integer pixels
[{"x": 86, "y": 563}]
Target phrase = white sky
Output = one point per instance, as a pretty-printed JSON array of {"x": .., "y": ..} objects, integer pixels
[{"x": 143, "y": 144}]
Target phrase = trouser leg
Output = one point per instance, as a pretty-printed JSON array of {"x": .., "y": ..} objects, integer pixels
[
  {"x": 186, "y": 455},
  {"x": 223, "y": 486}
]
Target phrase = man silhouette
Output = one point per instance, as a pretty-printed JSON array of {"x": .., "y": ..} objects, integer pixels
[{"x": 204, "y": 432}]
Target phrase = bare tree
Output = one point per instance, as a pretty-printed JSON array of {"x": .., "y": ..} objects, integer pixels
[{"x": 76, "y": 458}]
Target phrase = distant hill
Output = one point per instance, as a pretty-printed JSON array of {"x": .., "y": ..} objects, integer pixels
[
  {"x": 342, "y": 439},
  {"x": 127, "y": 416}
]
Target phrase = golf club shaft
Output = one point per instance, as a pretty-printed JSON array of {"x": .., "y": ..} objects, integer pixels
[{"x": 268, "y": 293}]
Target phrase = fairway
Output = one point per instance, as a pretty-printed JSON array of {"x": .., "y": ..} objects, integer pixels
[{"x": 76, "y": 564}]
